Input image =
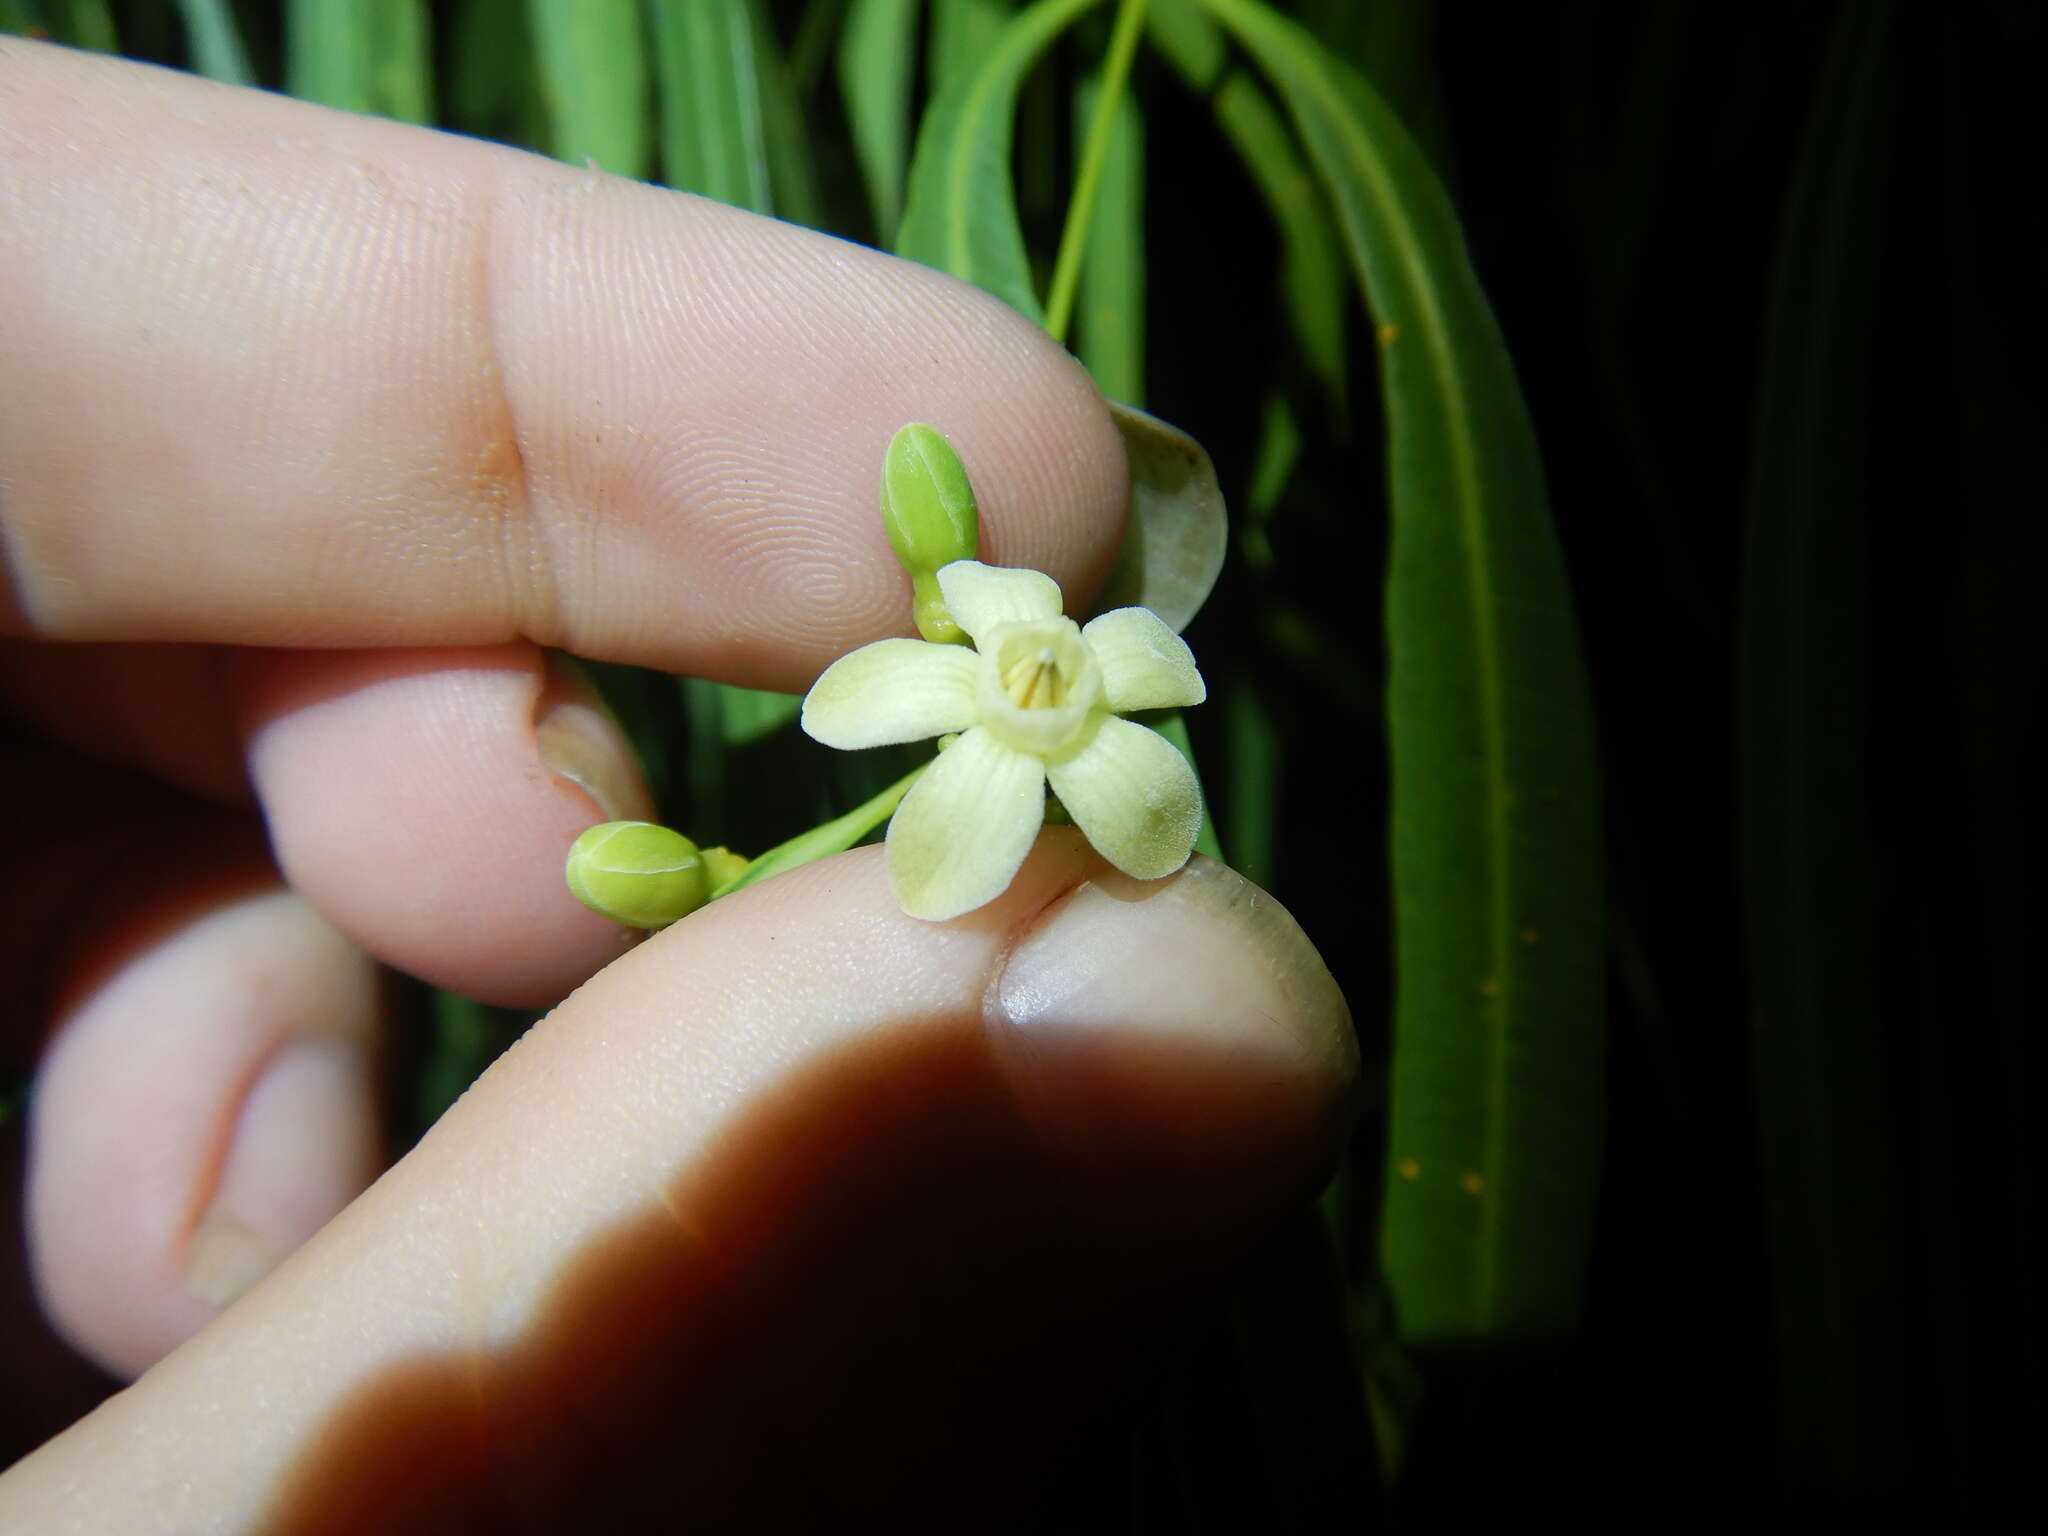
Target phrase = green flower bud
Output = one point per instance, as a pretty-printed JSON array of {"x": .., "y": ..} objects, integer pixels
[
  {"x": 928, "y": 509},
  {"x": 637, "y": 873}
]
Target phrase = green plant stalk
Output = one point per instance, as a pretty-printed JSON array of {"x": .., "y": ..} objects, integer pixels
[
  {"x": 1116, "y": 74},
  {"x": 1109, "y": 314},
  {"x": 834, "y": 836}
]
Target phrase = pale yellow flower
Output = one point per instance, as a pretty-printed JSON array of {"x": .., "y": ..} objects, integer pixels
[{"x": 1036, "y": 700}]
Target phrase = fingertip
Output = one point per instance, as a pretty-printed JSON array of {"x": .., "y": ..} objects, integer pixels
[
  {"x": 424, "y": 801},
  {"x": 1182, "y": 1028},
  {"x": 205, "y": 1106}
]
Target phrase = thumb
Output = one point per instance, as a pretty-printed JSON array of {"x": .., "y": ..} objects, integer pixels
[{"x": 804, "y": 1211}]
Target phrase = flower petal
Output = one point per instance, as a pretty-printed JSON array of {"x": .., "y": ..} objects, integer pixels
[
  {"x": 1134, "y": 796},
  {"x": 963, "y": 829},
  {"x": 1144, "y": 664},
  {"x": 891, "y": 691},
  {"x": 982, "y": 596}
]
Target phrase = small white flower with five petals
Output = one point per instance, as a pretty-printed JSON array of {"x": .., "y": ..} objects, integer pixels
[{"x": 1036, "y": 700}]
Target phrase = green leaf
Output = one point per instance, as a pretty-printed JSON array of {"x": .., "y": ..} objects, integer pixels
[
  {"x": 493, "y": 90},
  {"x": 1273, "y": 465},
  {"x": 215, "y": 42},
  {"x": 1389, "y": 42},
  {"x": 710, "y": 99},
  {"x": 75, "y": 23},
  {"x": 370, "y": 57},
  {"x": 89, "y": 24},
  {"x": 1810, "y": 871},
  {"x": 1495, "y": 1114},
  {"x": 877, "y": 59},
  {"x": 593, "y": 77},
  {"x": 961, "y": 216},
  {"x": 1313, "y": 282},
  {"x": 962, "y": 33},
  {"x": 792, "y": 177},
  {"x": 1312, "y": 279},
  {"x": 1109, "y": 319}
]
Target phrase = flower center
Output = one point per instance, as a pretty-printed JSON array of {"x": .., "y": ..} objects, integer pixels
[{"x": 1040, "y": 685}]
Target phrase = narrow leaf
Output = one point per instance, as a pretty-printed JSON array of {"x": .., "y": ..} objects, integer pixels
[
  {"x": 1313, "y": 283},
  {"x": 877, "y": 58},
  {"x": 75, "y": 23},
  {"x": 961, "y": 215},
  {"x": 962, "y": 33},
  {"x": 710, "y": 101},
  {"x": 215, "y": 43},
  {"x": 1495, "y": 1113},
  {"x": 1312, "y": 279},
  {"x": 792, "y": 177},
  {"x": 369, "y": 57},
  {"x": 494, "y": 88},
  {"x": 593, "y": 77}
]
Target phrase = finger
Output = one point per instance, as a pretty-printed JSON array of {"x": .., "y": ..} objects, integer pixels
[
  {"x": 204, "y": 1108},
  {"x": 800, "y": 1170},
  {"x": 203, "y": 1101},
  {"x": 423, "y": 802},
  {"x": 279, "y": 375}
]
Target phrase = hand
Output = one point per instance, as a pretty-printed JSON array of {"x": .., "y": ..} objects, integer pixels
[{"x": 313, "y": 431}]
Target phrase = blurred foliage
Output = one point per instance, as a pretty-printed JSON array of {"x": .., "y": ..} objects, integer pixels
[{"x": 1759, "y": 1248}]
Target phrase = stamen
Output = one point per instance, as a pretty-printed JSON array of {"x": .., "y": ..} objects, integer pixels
[{"x": 1033, "y": 681}]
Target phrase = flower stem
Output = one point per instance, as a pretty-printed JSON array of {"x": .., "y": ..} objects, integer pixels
[
  {"x": 1116, "y": 69},
  {"x": 834, "y": 836}
]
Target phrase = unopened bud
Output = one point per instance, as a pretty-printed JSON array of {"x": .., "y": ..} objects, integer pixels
[
  {"x": 929, "y": 512},
  {"x": 637, "y": 873}
]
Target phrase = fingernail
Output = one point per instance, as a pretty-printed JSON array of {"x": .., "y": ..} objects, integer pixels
[
  {"x": 1202, "y": 955},
  {"x": 303, "y": 1146},
  {"x": 578, "y": 740}
]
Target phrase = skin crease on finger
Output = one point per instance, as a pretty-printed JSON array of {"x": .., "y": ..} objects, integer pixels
[
  {"x": 279, "y": 375},
  {"x": 721, "y": 1198}
]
